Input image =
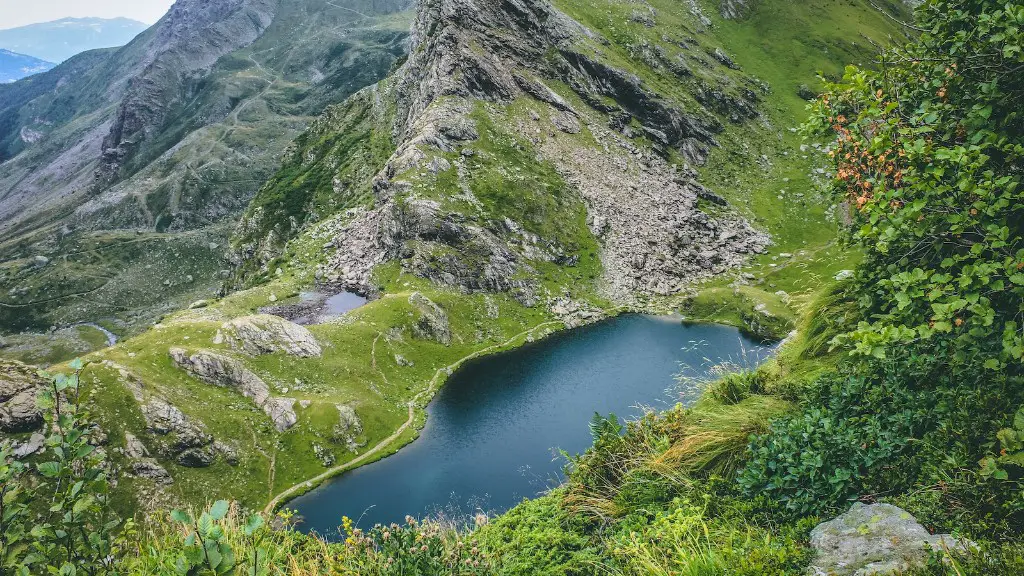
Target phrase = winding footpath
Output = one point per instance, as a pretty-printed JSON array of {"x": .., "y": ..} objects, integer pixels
[{"x": 446, "y": 371}]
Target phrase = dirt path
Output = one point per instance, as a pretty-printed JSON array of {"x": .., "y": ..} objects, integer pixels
[{"x": 434, "y": 382}]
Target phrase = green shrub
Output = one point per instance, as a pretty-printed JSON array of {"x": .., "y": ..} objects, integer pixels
[{"x": 55, "y": 514}]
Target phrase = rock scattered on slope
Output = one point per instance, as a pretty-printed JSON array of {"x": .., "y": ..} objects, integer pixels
[
  {"x": 179, "y": 438},
  {"x": 133, "y": 447},
  {"x": 348, "y": 428},
  {"x": 19, "y": 386},
  {"x": 267, "y": 334},
  {"x": 876, "y": 539},
  {"x": 150, "y": 469},
  {"x": 33, "y": 445},
  {"x": 735, "y": 9},
  {"x": 227, "y": 372},
  {"x": 432, "y": 323}
]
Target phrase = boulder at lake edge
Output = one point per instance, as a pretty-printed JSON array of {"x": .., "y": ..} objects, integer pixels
[{"x": 876, "y": 539}]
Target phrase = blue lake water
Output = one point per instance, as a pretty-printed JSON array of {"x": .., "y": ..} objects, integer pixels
[{"x": 494, "y": 430}]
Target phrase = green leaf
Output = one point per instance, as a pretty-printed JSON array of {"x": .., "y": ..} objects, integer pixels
[
  {"x": 76, "y": 364},
  {"x": 219, "y": 509},
  {"x": 49, "y": 469},
  {"x": 181, "y": 517},
  {"x": 254, "y": 523},
  {"x": 991, "y": 364}
]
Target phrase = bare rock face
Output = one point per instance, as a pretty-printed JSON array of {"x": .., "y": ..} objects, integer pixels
[
  {"x": 876, "y": 539},
  {"x": 735, "y": 9},
  {"x": 188, "y": 41},
  {"x": 33, "y": 445},
  {"x": 267, "y": 334},
  {"x": 179, "y": 438},
  {"x": 133, "y": 447},
  {"x": 150, "y": 469},
  {"x": 644, "y": 211},
  {"x": 19, "y": 386},
  {"x": 432, "y": 323},
  {"x": 349, "y": 427},
  {"x": 227, "y": 372}
]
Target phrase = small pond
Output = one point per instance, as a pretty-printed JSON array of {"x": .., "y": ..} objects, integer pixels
[
  {"x": 317, "y": 307},
  {"x": 494, "y": 430}
]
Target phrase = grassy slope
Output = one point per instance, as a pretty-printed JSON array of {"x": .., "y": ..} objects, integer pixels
[{"x": 373, "y": 382}]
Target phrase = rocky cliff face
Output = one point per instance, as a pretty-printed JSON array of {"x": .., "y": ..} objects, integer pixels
[
  {"x": 187, "y": 42},
  {"x": 471, "y": 61},
  {"x": 170, "y": 134}
]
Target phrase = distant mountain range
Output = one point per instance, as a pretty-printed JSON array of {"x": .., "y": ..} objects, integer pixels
[
  {"x": 61, "y": 39},
  {"x": 14, "y": 66}
]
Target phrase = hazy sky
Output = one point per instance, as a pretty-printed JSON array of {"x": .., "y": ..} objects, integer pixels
[{"x": 15, "y": 13}]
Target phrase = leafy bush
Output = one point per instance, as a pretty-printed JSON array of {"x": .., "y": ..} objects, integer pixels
[
  {"x": 928, "y": 152},
  {"x": 55, "y": 515}
]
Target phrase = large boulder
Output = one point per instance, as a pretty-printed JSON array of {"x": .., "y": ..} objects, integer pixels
[
  {"x": 178, "y": 437},
  {"x": 19, "y": 386},
  {"x": 225, "y": 371},
  {"x": 348, "y": 428},
  {"x": 876, "y": 539},
  {"x": 432, "y": 323},
  {"x": 266, "y": 334}
]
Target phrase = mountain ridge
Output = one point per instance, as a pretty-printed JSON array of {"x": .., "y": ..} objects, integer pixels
[{"x": 168, "y": 135}]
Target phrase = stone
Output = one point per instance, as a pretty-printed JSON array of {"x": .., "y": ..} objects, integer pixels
[
  {"x": 133, "y": 447},
  {"x": 281, "y": 412},
  {"x": 178, "y": 437},
  {"x": 735, "y": 9},
  {"x": 19, "y": 386},
  {"x": 228, "y": 372},
  {"x": 432, "y": 323},
  {"x": 149, "y": 468},
  {"x": 33, "y": 445},
  {"x": 200, "y": 457},
  {"x": 876, "y": 539},
  {"x": 402, "y": 361},
  {"x": 228, "y": 451},
  {"x": 844, "y": 275},
  {"x": 349, "y": 427},
  {"x": 566, "y": 122},
  {"x": 266, "y": 334}
]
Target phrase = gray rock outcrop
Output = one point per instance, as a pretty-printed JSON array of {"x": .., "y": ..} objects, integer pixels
[
  {"x": 19, "y": 386},
  {"x": 227, "y": 372},
  {"x": 33, "y": 445},
  {"x": 348, "y": 428},
  {"x": 133, "y": 447},
  {"x": 178, "y": 437},
  {"x": 432, "y": 323},
  {"x": 735, "y": 9},
  {"x": 150, "y": 469},
  {"x": 876, "y": 539},
  {"x": 267, "y": 334}
]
